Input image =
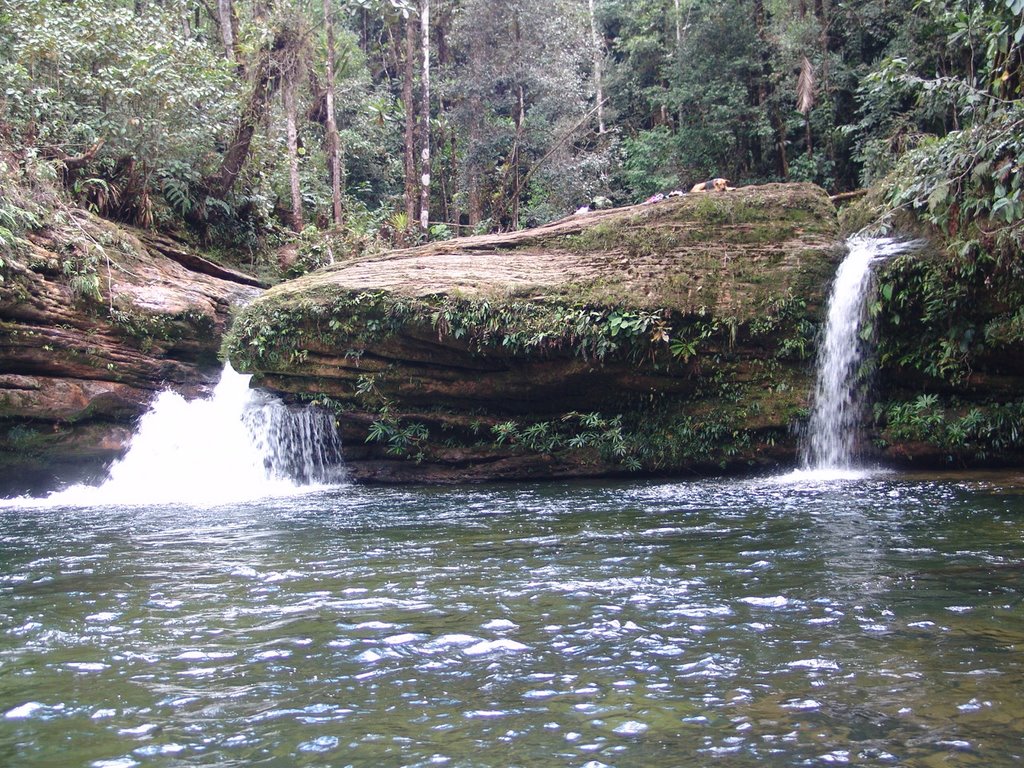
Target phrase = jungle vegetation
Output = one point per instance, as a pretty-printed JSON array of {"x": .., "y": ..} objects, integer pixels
[{"x": 333, "y": 126}]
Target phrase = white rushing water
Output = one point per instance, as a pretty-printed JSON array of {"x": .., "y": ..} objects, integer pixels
[
  {"x": 832, "y": 431},
  {"x": 236, "y": 445}
]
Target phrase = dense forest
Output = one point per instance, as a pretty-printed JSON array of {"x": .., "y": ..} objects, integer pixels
[{"x": 332, "y": 126}]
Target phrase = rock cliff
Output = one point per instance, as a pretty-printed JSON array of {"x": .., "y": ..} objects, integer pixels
[
  {"x": 662, "y": 337},
  {"x": 94, "y": 319}
]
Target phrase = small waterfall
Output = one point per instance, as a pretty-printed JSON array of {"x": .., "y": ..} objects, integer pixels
[
  {"x": 238, "y": 444},
  {"x": 832, "y": 431}
]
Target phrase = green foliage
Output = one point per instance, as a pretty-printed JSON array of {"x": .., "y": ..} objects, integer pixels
[
  {"x": 658, "y": 437},
  {"x": 649, "y": 163},
  {"x": 572, "y": 432},
  {"x": 670, "y": 439},
  {"x": 77, "y": 72},
  {"x": 26, "y": 200},
  {"x": 265, "y": 333},
  {"x": 963, "y": 432},
  {"x": 80, "y": 269},
  {"x": 401, "y": 440},
  {"x": 959, "y": 140},
  {"x": 150, "y": 329},
  {"x": 521, "y": 115},
  {"x": 316, "y": 249},
  {"x": 947, "y": 316}
]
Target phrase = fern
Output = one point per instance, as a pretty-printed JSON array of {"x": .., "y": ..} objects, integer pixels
[{"x": 176, "y": 193}]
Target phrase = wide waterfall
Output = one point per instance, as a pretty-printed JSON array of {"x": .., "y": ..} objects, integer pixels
[
  {"x": 236, "y": 445},
  {"x": 832, "y": 431}
]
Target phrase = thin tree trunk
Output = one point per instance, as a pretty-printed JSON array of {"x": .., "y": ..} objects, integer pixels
[
  {"x": 764, "y": 93},
  {"x": 449, "y": 174},
  {"x": 502, "y": 205},
  {"x": 227, "y": 36},
  {"x": 455, "y": 215},
  {"x": 293, "y": 150},
  {"x": 595, "y": 43},
  {"x": 239, "y": 53},
  {"x": 821, "y": 9},
  {"x": 520, "y": 128},
  {"x": 474, "y": 201},
  {"x": 333, "y": 141},
  {"x": 409, "y": 66},
  {"x": 679, "y": 49},
  {"x": 425, "y": 118}
]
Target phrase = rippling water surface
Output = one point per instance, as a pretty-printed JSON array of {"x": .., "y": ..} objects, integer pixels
[{"x": 865, "y": 622}]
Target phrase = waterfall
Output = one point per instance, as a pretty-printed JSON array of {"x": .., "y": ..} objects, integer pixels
[
  {"x": 836, "y": 414},
  {"x": 238, "y": 444}
]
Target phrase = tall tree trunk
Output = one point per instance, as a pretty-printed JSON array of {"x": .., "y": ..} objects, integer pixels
[
  {"x": 455, "y": 214},
  {"x": 822, "y": 11},
  {"x": 425, "y": 117},
  {"x": 265, "y": 83},
  {"x": 474, "y": 200},
  {"x": 805, "y": 99},
  {"x": 333, "y": 141},
  {"x": 520, "y": 126},
  {"x": 293, "y": 150},
  {"x": 449, "y": 174},
  {"x": 227, "y": 31},
  {"x": 595, "y": 43},
  {"x": 764, "y": 93},
  {"x": 409, "y": 67},
  {"x": 679, "y": 50}
]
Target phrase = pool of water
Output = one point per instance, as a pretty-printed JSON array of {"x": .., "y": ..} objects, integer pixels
[{"x": 873, "y": 621}]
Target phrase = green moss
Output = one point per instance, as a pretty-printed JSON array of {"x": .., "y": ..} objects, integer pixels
[
  {"x": 702, "y": 346},
  {"x": 270, "y": 334}
]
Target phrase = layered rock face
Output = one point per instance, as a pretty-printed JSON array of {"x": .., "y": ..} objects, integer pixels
[
  {"x": 661, "y": 337},
  {"x": 94, "y": 319}
]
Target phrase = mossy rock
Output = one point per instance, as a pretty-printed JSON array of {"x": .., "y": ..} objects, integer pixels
[{"x": 644, "y": 316}]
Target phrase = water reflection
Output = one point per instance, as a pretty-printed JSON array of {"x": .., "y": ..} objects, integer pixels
[{"x": 871, "y": 622}]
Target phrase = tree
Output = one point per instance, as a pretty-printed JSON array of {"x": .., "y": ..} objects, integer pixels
[
  {"x": 77, "y": 73},
  {"x": 425, "y": 116},
  {"x": 598, "y": 50},
  {"x": 411, "y": 193},
  {"x": 292, "y": 64},
  {"x": 333, "y": 141},
  {"x": 226, "y": 22},
  {"x": 521, "y": 98},
  {"x": 265, "y": 81}
]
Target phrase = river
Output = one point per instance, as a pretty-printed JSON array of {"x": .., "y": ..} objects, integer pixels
[{"x": 871, "y": 621}]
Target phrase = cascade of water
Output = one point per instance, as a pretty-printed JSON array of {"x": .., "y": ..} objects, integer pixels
[
  {"x": 238, "y": 444},
  {"x": 832, "y": 431}
]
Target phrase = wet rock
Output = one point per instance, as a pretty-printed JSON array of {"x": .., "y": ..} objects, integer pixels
[{"x": 94, "y": 320}]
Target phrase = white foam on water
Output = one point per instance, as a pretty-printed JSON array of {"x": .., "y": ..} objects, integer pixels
[{"x": 236, "y": 445}]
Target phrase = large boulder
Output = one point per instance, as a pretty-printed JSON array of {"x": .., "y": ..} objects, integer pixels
[
  {"x": 661, "y": 337},
  {"x": 96, "y": 318}
]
